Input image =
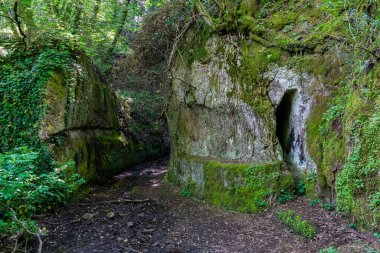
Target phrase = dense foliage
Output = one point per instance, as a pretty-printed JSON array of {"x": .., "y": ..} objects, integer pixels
[
  {"x": 100, "y": 28},
  {"x": 30, "y": 183},
  {"x": 39, "y": 39},
  {"x": 22, "y": 83}
]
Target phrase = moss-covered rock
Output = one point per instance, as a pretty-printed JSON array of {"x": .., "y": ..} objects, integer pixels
[
  {"x": 230, "y": 185},
  {"x": 82, "y": 122},
  {"x": 223, "y": 107}
]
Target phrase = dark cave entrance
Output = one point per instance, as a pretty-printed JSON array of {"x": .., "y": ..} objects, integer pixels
[{"x": 283, "y": 121}]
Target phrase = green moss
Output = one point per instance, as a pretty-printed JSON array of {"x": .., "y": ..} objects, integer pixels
[
  {"x": 232, "y": 186},
  {"x": 287, "y": 183},
  {"x": 115, "y": 137},
  {"x": 326, "y": 148},
  {"x": 248, "y": 185},
  {"x": 358, "y": 183},
  {"x": 343, "y": 141},
  {"x": 280, "y": 19},
  {"x": 297, "y": 223},
  {"x": 255, "y": 60},
  {"x": 247, "y": 23},
  {"x": 248, "y": 7},
  {"x": 326, "y": 67},
  {"x": 311, "y": 185},
  {"x": 194, "y": 49}
]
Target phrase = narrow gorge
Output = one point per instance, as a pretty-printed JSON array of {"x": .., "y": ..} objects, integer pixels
[{"x": 190, "y": 126}]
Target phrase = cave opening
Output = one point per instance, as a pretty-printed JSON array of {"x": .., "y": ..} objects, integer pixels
[{"x": 284, "y": 126}]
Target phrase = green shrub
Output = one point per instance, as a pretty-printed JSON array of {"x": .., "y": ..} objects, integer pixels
[
  {"x": 352, "y": 226},
  {"x": 31, "y": 183},
  {"x": 314, "y": 202},
  {"x": 297, "y": 224},
  {"x": 186, "y": 192},
  {"x": 377, "y": 235},
  {"x": 328, "y": 206},
  {"x": 329, "y": 250},
  {"x": 285, "y": 196}
]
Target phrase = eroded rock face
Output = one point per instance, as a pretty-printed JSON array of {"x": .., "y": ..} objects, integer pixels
[
  {"x": 283, "y": 80},
  {"x": 81, "y": 123},
  {"x": 208, "y": 118},
  {"x": 224, "y": 146}
]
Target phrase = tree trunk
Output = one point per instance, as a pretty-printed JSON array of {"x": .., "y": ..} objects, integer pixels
[
  {"x": 18, "y": 23},
  {"x": 95, "y": 12},
  {"x": 121, "y": 26},
  {"x": 78, "y": 16}
]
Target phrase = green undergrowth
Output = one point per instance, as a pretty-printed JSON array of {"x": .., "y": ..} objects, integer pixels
[
  {"x": 145, "y": 109},
  {"x": 330, "y": 250},
  {"x": 23, "y": 77},
  {"x": 297, "y": 223},
  {"x": 290, "y": 189},
  {"x": 344, "y": 142},
  {"x": 32, "y": 183},
  {"x": 144, "y": 120}
]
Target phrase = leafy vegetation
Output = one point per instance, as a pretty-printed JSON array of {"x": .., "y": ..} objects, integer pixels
[
  {"x": 329, "y": 250},
  {"x": 100, "y": 28},
  {"x": 31, "y": 183},
  {"x": 297, "y": 224},
  {"x": 314, "y": 202},
  {"x": 288, "y": 195},
  {"x": 22, "y": 88},
  {"x": 328, "y": 206},
  {"x": 186, "y": 192},
  {"x": 39, "y": 40}
]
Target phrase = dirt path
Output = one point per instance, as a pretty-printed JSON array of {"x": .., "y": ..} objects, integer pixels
[{"x": 168, "y": 222}]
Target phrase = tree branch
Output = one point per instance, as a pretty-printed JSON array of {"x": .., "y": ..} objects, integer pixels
[{"x": 18, "y": 23}]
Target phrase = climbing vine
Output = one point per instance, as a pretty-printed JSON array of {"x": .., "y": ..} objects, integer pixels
[{"x": 22, "y": 82}]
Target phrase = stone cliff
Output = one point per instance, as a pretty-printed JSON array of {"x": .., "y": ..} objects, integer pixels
[
  {"x": 85, "y": 122},
  {"x": 264, "y": 106}
]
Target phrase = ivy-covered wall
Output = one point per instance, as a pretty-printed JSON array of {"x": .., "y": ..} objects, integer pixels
[{"x": 54, "y": 99}]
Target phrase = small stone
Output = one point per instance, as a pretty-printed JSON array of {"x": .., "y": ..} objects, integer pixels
[
  {"x": 119, "y": 239},
  {"x": 148, "y": 230},
  {"x": 111, "y": 215},
  {"x": 129, "y": 224},
  {"x": 102, "y": 237},
  {"x": 126, "y": 240},
  {"x": 88, "y": 216}
]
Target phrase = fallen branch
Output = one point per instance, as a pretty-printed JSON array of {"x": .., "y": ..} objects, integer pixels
[
  {"x": 118, "y": 201},
  {"x": 60, "y": 224},
  {"x": 14, "y": 217},
  {"x": 177, "y": 40},
  {"x": 130, "y": 249},
  {"x": 365, "y": 237}
]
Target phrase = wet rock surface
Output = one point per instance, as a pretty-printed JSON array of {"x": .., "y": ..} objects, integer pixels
[{"x": 150, "y": 216}]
